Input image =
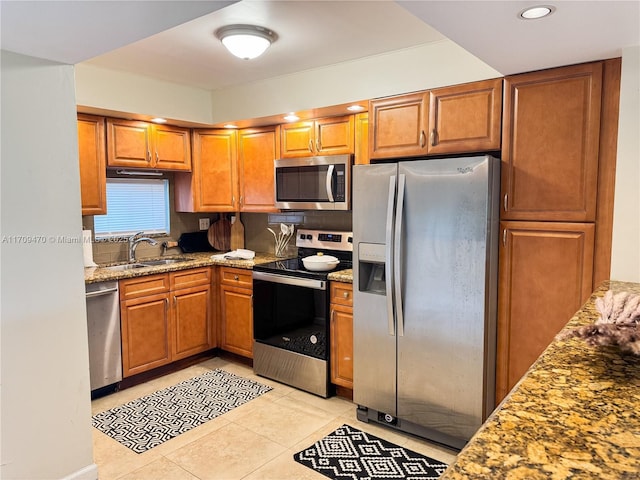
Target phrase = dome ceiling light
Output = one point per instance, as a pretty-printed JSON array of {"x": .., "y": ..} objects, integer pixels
[
  {"x": 246, "y": 41},
  {"x": 539, "y": 11}
]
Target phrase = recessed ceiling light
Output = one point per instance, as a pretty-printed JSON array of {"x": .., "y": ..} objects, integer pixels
[
  {"x": 355, "y": 108},
  {"x": 159, "y": 120},
  {"x": 292, "y": 117},
  {"x": 539, "y": 11}
]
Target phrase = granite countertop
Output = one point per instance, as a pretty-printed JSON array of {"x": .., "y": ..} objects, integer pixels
[
  {"x": 573, "y": 415},
  {"x": 345, "y": 276},
  {"x": 193, "y": 260}
]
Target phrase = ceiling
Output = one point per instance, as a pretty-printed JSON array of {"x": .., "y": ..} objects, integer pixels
[{"x": 174, "y": 41}]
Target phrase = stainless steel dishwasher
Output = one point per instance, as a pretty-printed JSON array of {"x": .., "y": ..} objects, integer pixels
[{"x": 103, "y": 325}]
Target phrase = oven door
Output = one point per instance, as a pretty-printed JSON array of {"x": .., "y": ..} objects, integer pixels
[{"x": 291, "y": 313}]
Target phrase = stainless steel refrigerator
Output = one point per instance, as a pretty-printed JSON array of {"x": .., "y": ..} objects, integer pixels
[{"x": 425, "y": 285}]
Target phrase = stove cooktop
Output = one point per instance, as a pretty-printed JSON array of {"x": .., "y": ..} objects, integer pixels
[{"x": 311, "y": 242}]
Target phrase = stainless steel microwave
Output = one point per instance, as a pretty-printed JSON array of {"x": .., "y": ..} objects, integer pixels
[{"x": 313, "y": 183}]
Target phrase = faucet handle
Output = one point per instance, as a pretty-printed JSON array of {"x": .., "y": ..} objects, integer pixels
[{"x": 132, "y": 237}]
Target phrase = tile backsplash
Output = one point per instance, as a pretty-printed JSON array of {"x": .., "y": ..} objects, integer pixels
[{"x": 257, "y": 237}]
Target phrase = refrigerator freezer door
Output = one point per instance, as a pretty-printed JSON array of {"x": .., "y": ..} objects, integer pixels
[
  {"x": 374, "y": 345},
  {"x": 444, "y": 271}
]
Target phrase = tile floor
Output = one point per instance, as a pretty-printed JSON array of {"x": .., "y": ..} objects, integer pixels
[{"x": 255, "y": 441}]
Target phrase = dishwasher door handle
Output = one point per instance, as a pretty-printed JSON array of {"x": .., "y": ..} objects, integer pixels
[{"x": 99, "y": 293}]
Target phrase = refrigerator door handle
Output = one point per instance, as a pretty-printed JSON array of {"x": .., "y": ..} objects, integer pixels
[
  {"x": 397, "y": 254},
  {"x": 388, "y": 264}
]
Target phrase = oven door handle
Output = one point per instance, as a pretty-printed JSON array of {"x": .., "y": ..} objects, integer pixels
[{"x": 286, "y": 280}]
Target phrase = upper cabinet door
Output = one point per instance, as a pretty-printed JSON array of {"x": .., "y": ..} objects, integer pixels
[
  {"x": 325, "y": 136},
  {"x": 550, "y": 149},
  {"x": 465, "y": 118},
  {"x": 257, "y": 150},
  {"x": 92, "y": 157},
  {"x": 172, "y": 148},
  {"x": 397, "y": 126},
  {"x": 214, "y": 181},
  {"x": 137, "y": 144},
  {"x": 334, "y": 135},
  {"x": 129, "y": 143}
]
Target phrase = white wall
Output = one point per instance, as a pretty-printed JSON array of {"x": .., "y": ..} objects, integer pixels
[
  {"x": 46, "y": 409},
  {"x": 625, "y": 257},
  {"x": 419, "y": 68},
  {"x": 125, "y": 92},
  {"x": 412, "y": 69}
]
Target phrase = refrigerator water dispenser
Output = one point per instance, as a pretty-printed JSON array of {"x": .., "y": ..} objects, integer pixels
[{"x": 371, "y": 268}]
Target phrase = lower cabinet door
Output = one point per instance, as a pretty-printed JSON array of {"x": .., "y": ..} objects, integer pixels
[
  {"x": 192, "y": 314},
  {"x": 342, "y": 346},
  {"x": 237, "y": 320},
  {"x": 145, "y": 333},
  {"x": 545, "y": 276}
]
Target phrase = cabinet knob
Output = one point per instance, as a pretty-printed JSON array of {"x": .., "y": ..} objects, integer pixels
[
  {"x": 236, "y": 278},
  {"x": 423, "y": 139},
  {"x": 345, "y": 294},
  {"x": 311, "y": 146}
]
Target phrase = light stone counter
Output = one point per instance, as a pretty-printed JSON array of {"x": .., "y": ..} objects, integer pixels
[
  {"x": 200, "y": 259},
  {"x": 345, "y": 276},
  {"x": 574, "y": 415}
]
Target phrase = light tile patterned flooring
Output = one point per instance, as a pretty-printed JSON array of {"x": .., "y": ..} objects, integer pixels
[{"x": 255, "y": 441}]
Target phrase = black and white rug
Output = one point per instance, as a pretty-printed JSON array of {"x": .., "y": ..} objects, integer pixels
[
  {"x": 350, "y": 454},
  {"x": 151, "y": 420}
]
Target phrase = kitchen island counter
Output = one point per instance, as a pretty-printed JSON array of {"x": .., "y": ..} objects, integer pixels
[
  {"x": 345, "y": 276},
  {"x": 573, "y": 415},
  {"x": 193, "y": 260}
]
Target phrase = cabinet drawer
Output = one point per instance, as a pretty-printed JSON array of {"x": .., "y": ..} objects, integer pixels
[
  {"x": 342, "y": 293},
  {"x": 141, "y": 286},
  {"x": 190, "y": 278},
  {"x": 236, "y": 276}
]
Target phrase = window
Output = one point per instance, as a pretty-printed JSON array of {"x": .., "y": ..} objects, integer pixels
[{"x": 134, "y": 205}]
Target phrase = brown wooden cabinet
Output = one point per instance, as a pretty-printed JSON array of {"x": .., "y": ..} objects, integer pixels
[
  {"x": 550, "y": 169},
  {"x": 257, "y": 150},
  {"x": 551, "y": 144},
  {"x": 361, "y": 156},
  {"x": 93, "y": 168},
  {"x": 341, "y": 356},
  {"x": 458, "y": 119},
  {"x": 135, "y": 144},
  {"x": 164, "y": 318},
  {"x": 236, "y": 311},
  {"x": 212, "y": 185},
  {"x": 145, "y": 323},
  {"x": 545, "y": 277},
  {"x": 192, "y": 312},
  {"x": 465, "y": 118},
  {"x": 324, "y": 136},
  {"x": 397, "y": 126}
]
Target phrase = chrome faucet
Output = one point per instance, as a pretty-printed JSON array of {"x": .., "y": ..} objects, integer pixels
[{"x": 134, "y": 240}]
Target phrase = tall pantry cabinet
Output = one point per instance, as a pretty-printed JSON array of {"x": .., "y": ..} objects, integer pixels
[{"x": 553, "y": 167}]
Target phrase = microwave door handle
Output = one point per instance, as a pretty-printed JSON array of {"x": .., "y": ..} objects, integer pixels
[{"x": 329, "y": 181}]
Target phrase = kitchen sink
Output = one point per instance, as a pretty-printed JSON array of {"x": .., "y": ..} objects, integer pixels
[
  {"x": 146, "y": 263},
  {"x": 164, "y": 261},
  {"x": 126, "y": 266}
]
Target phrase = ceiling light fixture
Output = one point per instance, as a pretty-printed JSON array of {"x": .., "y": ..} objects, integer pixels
[
  {"x": 291, "y": 117},
  {"x": 355, "y": 108},
  {"x": 159, "y": 120},
  {"x": 246, "y": 41},
  {"x": 539, "y": 11}
]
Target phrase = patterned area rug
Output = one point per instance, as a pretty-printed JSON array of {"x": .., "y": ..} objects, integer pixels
[
  {"x": 151, "y": 420},
  {"x": 349, "y": 454}
]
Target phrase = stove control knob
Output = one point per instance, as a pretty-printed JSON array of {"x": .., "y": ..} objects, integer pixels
[{"x": 313, "y": 339}]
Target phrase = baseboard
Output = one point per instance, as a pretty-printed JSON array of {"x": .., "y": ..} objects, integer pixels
[{"x": 90, "y": 472}]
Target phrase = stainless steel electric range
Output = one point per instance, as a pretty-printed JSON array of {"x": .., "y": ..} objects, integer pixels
[{"x": 291, "y": 313}]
